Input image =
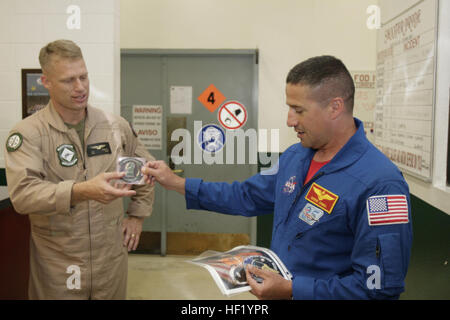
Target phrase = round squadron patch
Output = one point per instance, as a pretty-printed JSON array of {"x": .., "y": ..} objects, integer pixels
[
  {"x": 67, "y": 155},
  {"x": 132, "y": 168},
  {"x": 14, "y": 142}
]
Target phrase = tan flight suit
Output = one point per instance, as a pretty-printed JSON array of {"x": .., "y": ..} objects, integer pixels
[{"x": 76, "y": 252}]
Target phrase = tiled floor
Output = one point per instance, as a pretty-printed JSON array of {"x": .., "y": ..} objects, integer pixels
[{"x": 152, "y": 277}]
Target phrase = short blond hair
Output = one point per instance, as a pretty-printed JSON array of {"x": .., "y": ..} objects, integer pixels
[{"x": 62, "y": 48}]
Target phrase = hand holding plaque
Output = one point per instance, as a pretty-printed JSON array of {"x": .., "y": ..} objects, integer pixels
[{"x": 132, "y": 167}]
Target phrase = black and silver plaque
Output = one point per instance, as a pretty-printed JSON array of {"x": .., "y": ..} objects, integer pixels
[{"x": 132, "y": 167}]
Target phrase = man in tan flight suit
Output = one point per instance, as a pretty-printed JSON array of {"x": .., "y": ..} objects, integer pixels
[{"x": 61, "y": 171}]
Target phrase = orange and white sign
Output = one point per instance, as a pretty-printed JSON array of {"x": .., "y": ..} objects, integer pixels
[
  {"x": 322, "y": 197},
  {"x": 211, "y": 98}
]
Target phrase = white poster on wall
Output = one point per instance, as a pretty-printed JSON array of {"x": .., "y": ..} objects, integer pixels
[
  {"x": 147, "y": 122},
  {"x": 365, "y": 98},
  {"x": 404, "y": 110},
  {"x": 180, "y": 99}
]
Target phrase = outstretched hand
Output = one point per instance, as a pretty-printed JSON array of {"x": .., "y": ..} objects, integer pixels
[
  {"x": 159, "y": 171},
  {"x": 101, "y": 188}
]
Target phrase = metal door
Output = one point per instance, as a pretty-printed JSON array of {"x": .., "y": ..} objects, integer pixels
[{"x": 147, "y": 76}]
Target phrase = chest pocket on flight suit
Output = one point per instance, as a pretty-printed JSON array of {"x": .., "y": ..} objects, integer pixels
[
  {"x": 323, "y": 225},
  {"x": 60, "y": 224},
  {"x": 101, "y": 156},
  {"x": 113, "y": 136},
  {"x": 285, "y": 197},
  {"x": 112, "y": 213}
]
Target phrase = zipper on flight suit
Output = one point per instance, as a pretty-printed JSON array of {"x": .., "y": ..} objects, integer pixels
[
  {"x": 83, "y": 155},
  {"x": 300, "y": 192},
  {"x": 306, "y": 186},
  {"x": 314, "y": 178},
  {"x": 89, "y": 219}
]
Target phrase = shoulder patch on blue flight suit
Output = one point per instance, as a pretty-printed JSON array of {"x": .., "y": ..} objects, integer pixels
[
  {"x": 289, "y": 186},
  {"x": 387, "y": 209},
  {"x": 310, "y": 214}
]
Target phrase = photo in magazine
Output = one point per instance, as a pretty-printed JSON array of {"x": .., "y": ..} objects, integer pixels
[{"x": 228, "y": 268}]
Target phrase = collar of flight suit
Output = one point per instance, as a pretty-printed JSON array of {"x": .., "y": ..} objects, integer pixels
[
  {"x": 355, "y": 147},
  {"x": 54, "y": 119}
]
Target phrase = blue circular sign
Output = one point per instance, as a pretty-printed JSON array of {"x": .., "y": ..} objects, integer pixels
[{"x": 211, "y": 138}]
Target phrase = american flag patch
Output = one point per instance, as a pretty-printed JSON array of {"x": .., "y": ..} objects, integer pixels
[{"x": 388, "y": 209}]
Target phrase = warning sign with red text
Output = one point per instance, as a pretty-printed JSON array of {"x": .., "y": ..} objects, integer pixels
[{"x": 147, "y": 123}]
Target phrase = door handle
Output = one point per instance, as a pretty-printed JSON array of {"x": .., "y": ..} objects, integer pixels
[{"x": 178, "y": 171}]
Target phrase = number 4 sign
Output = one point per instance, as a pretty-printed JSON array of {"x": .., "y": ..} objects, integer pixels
[{"x": 211, "y": 98}]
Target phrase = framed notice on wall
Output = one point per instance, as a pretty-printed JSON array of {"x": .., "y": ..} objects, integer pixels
[
  {"x": 364, "y": 102},
  {"x": 147, "y": 122},
  {"x": 34, "y": 95},
  {"x": 405, "y": 88}
]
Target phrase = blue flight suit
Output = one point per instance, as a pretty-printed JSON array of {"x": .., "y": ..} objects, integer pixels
[{"x": 327, "y": 242}]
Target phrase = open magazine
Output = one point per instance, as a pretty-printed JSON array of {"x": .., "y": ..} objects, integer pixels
[{"x": 228, "y": 268}]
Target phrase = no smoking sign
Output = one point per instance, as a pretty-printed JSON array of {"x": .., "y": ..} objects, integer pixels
[{"x": 232, "y": 115}]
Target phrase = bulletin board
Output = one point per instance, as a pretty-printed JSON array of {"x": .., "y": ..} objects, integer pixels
[
  {"x": 405, "y": 88},
  {"x": 34, "y": 95}
]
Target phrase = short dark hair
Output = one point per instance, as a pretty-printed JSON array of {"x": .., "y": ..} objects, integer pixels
[{"x": 326, "y": 71}]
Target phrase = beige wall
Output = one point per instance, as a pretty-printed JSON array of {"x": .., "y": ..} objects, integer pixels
[
  {"x": 27, "y": 25},
  {"x": 285, "y": 32}
]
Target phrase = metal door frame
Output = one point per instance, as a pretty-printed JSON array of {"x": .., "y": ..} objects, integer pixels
[{"x": 165, "y": 95}]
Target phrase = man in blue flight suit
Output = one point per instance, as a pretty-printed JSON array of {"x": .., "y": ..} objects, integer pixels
[{"x": 342, "y": 221}]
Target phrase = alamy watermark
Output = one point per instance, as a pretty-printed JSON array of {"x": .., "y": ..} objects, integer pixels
[
  {"x": 74, "y": 280},
  {"x": 374, "y": 20},
  {"x": 74, "y": 20},
  {"x": 246, "y": 142},
  {"x": 374, "y": 280}
]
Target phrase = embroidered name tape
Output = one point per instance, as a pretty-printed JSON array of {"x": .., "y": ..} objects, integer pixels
[{"x": 321, "y": 197}]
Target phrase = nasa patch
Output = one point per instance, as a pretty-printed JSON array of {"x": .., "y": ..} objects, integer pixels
[{"x": 289, "y": 186}]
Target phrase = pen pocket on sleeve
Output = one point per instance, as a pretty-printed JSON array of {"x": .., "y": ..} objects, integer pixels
[{"x": 390, "y": 255}]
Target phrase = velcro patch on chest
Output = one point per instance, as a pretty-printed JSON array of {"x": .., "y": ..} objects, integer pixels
[
  {"x": 322, "y": 197},
  {"x": 97, "y": 149},
  {"x": 67, "y": 155}
]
